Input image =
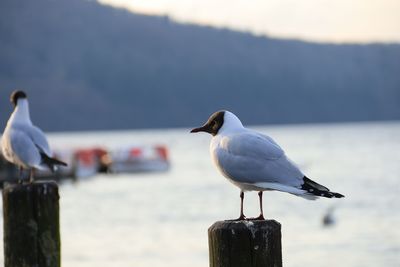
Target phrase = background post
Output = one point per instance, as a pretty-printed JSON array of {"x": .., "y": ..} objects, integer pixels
[
  {"x": 31, "y": 225},
  {"x": 245, "y": 244}
]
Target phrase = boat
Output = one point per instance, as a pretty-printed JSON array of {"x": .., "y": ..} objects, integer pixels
[
  {"x": 90, "y": 161},
  {"x": 133, "y": 159}
]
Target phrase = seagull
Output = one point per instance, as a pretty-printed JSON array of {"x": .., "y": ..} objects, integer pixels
[
  {"x": 24, "y": 144},
  {"x": 328, "y": 219},
  {"x": 255, "y": 162}
]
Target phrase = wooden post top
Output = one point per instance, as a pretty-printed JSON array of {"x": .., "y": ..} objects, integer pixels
[
  {"x": 31, "y": 224},
  {"x": 245, "y": 243},
  {"x": 41, "y": 186},
  {"x": 247, "y": 224}
]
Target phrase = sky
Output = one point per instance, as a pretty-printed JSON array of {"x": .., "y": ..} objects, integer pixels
[{"x": 317, "y": 20}]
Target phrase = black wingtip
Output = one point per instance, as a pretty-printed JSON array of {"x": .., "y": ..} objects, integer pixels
[
  {"x": 59, "y": 162},
  {"x": 52, "y": 162},
  {"x": 337, "y": 195},
  {"x": 318, "y": 190}
]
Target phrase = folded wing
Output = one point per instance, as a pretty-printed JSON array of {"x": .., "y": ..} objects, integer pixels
[{"x": 249, "y": 157}]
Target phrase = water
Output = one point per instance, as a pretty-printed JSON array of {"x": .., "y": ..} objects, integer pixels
[{"x": 162, "y": 219}]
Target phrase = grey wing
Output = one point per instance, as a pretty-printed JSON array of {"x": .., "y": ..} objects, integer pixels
[
  {"x": 253, "y": 158},
  {"x": 269, "y": 139},
  {"x": 24, "y": 148},
  {"x": 39, "y": 139}
]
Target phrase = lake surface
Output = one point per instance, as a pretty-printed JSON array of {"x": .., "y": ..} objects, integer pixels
[{"x": 161, "y": 219}]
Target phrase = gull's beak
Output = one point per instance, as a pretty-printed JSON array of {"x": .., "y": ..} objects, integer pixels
[{"x": 203, "y": 128}]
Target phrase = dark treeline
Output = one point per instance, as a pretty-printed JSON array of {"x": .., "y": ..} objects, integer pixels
[{"x": 88, "y": 66}]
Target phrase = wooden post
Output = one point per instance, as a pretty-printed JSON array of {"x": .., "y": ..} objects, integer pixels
[
  {"x": 245, "y": 244},
  {"x": 31, "y": 225}
]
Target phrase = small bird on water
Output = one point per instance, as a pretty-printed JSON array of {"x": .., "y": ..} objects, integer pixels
[
  {"x": 24, "y": 144},
  {"x": 255, "y": 162}
]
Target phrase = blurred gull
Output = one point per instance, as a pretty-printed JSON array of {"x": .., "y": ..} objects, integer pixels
[
  {"x": 255, "y": 162},
  {"x": 23, "y": 144},
  {"x": 328, "y": 219}
]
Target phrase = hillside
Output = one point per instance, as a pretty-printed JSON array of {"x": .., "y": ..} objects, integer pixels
[{"x": 86, "y": 66}]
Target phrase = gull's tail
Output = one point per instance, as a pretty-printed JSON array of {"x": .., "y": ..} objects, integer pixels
[
  {"x": 52, "y": 163},
  {"x": 314, "y": 189}
]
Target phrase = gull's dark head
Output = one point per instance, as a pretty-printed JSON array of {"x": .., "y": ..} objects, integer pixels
[
  {"x": 17, "y": 95},
  {"x": 213, "y": 124}
]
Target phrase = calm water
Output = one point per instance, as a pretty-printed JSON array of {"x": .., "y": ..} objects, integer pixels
[{"x": 162, "y": 219}]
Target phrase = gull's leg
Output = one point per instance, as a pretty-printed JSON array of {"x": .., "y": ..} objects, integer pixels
[
  {"x": 31, "y": 176},
  {"x": 261, "y": 217},
  {"x": 20, "y": 180},
  {"x": 242, "y": 217}
]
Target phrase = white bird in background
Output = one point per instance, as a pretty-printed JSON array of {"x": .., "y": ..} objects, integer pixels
[
  {"x": 23, "y": 144},
  {"x": 255, "y": 162}
]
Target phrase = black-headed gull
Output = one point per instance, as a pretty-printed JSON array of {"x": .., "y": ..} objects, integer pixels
[
  {"x": 255, "y": 162},
  {"x": 24, "y": 144}
]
